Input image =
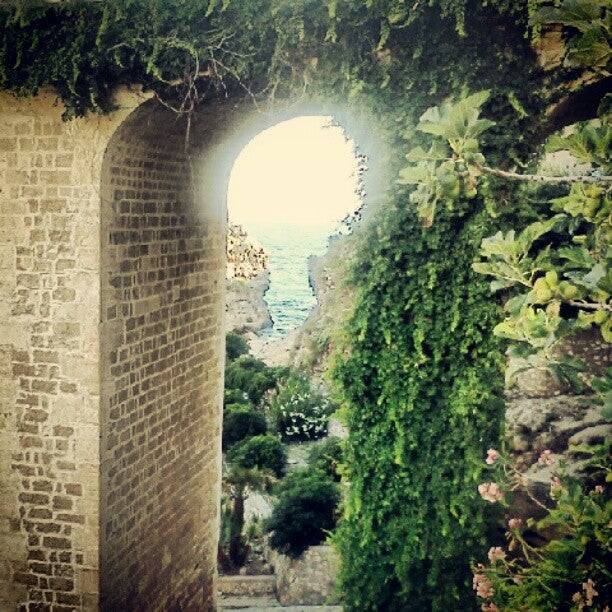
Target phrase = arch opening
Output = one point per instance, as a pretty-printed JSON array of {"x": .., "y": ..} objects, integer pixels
[
  {"x": 163, "y": 230},
  {"x": 293, "y": 188}
]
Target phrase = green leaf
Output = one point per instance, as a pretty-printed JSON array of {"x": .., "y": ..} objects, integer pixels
[
  {"x": 578, "y": 14},
  {"x": 411, "y": 175},
  {"x": 592, "y": 50},
  {"x": 534, "y": 231},
  {"x": 577, "y": 257}
]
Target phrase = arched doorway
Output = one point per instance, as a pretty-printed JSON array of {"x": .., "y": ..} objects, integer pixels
[{"x": 163, "y": 224}]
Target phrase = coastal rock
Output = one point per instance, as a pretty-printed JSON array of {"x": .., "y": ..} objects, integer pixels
[{"x": 248, "y": 279}]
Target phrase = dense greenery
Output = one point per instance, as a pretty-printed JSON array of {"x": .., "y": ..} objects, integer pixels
[
  {"x": 235, "y": 346},
  {"x": 251, "y": 376},
  {"x": 569, "y": 570},
  {"x": 420, "y": 372},
  {"x": 240, "y": 422},
  {"x": 424, "y": 386},
  {"x": 263, "y": 451},
  {"x": 306, "y": 511},
  {"x": 327, "y": 457}
]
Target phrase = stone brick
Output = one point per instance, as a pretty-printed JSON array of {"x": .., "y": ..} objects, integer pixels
[
  {"x": 62, "y": 431},
  {"x": 56, "y": 543},
  {"x": 62, "y": 503},
  {"x": 74, "y": 489}
]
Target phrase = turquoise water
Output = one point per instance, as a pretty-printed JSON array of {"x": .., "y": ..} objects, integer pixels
[{"x": 290, "y": 297}]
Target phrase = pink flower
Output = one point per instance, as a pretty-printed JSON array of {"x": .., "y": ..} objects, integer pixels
[
  {"x": 492, "y": 456},
  {"x": 547, "y": 458},
  {"x": 515, "y": 523},
  {"x": 577, "y": 598},
  {"x": 555, "y": 487},
  {"x": 490, "y": 491},
  {"x": 589, "y": 591},
  {"x": 598, "y": 489},
  {"x": 481, "y": 584},
  {"x": 489, "y": 607},
  {"x": 496, "y": 553}
]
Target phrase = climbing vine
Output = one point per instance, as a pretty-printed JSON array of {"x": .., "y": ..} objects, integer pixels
[{"x": 419, "y": 370}]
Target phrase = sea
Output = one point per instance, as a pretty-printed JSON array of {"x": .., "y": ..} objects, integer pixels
[{"x": 290, "y": 297}]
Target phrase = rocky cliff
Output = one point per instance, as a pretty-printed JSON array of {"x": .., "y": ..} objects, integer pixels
[{"x": 248, "y": 279}]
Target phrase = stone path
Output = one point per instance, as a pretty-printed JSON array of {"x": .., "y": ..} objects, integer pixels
[{"x": 256, "y": 594}]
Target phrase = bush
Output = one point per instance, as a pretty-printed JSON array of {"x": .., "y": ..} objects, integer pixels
[
  {"x": 241, "y": 422},
  {"x": 327, "y": 456},
  {"x": 264, "y": 452},
  {"x": 297, "y": 411},
  {"x": 235, "y": 346},
  {"x": 235, "y": 396},
  {"x": 305, "y": 512},
  {"x": 252, "y": 376}
]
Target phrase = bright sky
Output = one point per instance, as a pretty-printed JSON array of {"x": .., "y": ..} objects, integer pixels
[{"x": 297, "y": 171}]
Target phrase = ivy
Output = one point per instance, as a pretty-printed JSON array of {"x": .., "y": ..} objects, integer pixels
[{"x": 424, "y": 382}]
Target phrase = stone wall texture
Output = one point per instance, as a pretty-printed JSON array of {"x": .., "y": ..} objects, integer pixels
[
  {"x": 311, "y": 579},
  {"x": 161, "y": 375},
  {"x": 49, "y": 355},
  {"x": 111, "y": 299}
]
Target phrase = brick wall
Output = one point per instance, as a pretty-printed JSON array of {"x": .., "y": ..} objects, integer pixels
[
  {"x": 110, "y": 363},
  {"x": 49, "y": 384},
  {"x": 161, "y": 368}
]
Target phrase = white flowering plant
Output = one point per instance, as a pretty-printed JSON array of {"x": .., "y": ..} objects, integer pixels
[{"x": 298, "y": 411}]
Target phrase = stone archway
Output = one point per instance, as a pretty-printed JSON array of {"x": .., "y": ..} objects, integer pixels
[
  {"x": 111, "y": 294},
  {"x": 163, "y": 228}
]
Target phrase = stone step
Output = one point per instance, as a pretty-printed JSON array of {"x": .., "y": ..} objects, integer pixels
[
  {"x": 267, "y": 603},
  {"x": 247, "y": 586},
  {"x": 247, "y": 604}
]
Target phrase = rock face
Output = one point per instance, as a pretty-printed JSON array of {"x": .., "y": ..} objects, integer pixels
[
  {"x": 248, "y": 279},
  {"x": 544, "y": 414},
  {"x": 313, "y": 341}
]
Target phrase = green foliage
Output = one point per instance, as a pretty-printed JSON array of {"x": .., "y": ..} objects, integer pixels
[
  {"x": 252, "y": 376},
  {"x": 306, "y": 511},
  {"x": 264, "y": 452},
  {"x": 241, "y": 422},
  {"x": 235, "y": 346},
  {"x": 448, "y": 171},
  {"x": 558, "y": 268},
  {"x": 297, "y": 411},
  {"x": 571, "y": 570},
  {"x": 237, "y": 480},
  {"x": 235, "y": 396},
  {"x": 327, "y": 457},
  {"x": 423, "y": 381},
  {"x": 592, "y": 19}
]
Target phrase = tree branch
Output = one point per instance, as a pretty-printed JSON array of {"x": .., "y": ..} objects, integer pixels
[
  {"x": 539, "y": 178},
  {"x": 590, "y": 306}
]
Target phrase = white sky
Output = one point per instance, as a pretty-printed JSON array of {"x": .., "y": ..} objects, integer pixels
[{"x": 295, "y": 172}]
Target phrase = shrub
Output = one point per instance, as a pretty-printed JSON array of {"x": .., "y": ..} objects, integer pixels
[
  {"x": 251, "y": 376},
  {"x": 235, "y": 346},
  {"x": 264, "y": 452},
  {"x": 297, "y": 411},
  {"x": 305, "y": 512},
  {"x": 235, "y": 396},
  {"x": 327, "y": 456},
  {"x": 240, "y": 422}
]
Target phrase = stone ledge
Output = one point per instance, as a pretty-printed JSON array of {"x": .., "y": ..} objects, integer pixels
[{"x": 247, "y": 585}]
